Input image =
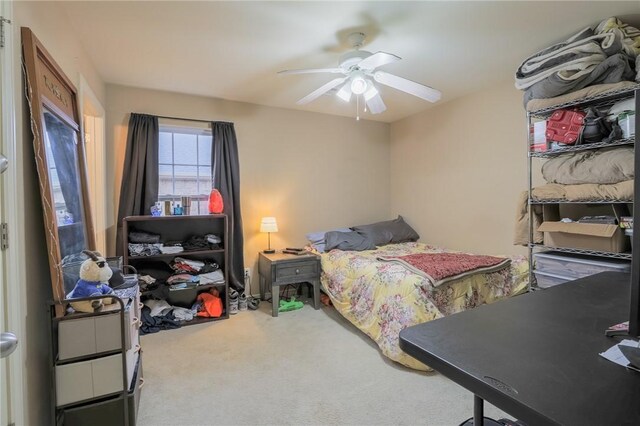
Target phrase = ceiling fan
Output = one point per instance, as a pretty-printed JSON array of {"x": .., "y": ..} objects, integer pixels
[{"x": 359, "y": 70}]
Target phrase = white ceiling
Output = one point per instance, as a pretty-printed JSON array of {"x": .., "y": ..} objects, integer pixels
[{"x": 232, "y": 50}]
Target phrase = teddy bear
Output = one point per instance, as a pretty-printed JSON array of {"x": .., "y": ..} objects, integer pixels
[{"x": 94, "y": 278}]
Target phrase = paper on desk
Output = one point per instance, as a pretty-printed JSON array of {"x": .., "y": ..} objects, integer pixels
[{"x": 614, "y": 354}]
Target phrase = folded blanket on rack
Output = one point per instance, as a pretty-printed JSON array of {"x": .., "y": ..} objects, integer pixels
[
  {"x": 575, "y": 57},
  {"x": 440, "y": 268},
  {"x": 554, "y": 191},
  {"x": 604, "y": 55},
  {"x": 613, "y": 69},
  {"x": 587, "y": 92},
  {"x": 630, "y": 35},
  {"x": 605, "y": 166}
]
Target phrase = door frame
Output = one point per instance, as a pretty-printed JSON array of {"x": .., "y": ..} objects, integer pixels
[{"x": 12, "y": 188}]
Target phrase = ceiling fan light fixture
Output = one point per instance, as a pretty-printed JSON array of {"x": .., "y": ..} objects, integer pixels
[
  {"x": 358, "y": 85},
  {"x": 345, "y": 92},
  {"x": 371, "y": 92}
]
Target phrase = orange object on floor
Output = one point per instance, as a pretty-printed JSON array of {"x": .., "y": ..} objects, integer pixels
[
  {"x": 325, "y": 300},
  {"x": 211, "y": 304}
]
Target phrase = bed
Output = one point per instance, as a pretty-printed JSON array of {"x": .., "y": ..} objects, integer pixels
[{"x": 382, "y": 298}]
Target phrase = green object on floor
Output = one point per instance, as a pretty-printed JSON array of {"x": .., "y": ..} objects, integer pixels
[{"x": 291, "y": 305}]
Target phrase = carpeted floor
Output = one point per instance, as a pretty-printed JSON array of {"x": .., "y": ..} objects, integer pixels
[{"x": 304, "y": 367}]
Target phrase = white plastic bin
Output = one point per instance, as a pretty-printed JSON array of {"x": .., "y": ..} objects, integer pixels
[
  {"x": 546, "y": 280},
  {"x": 627, "y": 122},
  {"x": 574, "y": 266}
]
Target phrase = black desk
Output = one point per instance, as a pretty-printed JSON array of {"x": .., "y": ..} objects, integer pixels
[{"x": 536, "y": 356}]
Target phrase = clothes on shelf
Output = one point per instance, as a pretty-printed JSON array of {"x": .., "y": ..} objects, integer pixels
[
  {"x": 153, "y": 324},
  {"x": 215, "y": 277},
  {"x": 172, "y": 248},
  {"x": 148, "y": 244},
  {"x": 182, "y": 278},
  {"x": 189, "y": 266},
  {"x": 144, "y": 249},
  {"x": 141, "y": 237}
]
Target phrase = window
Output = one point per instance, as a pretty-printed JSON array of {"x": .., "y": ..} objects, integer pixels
[{"x": 184, "y": 159}]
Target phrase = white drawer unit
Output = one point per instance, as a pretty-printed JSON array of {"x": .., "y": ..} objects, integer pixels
[
  {"x": 88, "y": 379},
  {"x": 95, "y": 358},
  {"x": 83, "y": 380},
  {"x": 107, "y": 412},
  {"x": 89, "y": 335}
]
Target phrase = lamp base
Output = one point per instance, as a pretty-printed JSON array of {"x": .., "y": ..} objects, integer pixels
[{"x": 269, "y": 251}]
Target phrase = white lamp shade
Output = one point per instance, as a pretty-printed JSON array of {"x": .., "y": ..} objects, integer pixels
[{"x": 268, "y": 224}]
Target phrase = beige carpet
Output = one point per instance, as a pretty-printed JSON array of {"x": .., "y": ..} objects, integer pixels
[{"x": 304, "y": 367}]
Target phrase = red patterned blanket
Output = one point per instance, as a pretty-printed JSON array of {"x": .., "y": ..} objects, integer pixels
[{"x": 440, "y": 268}]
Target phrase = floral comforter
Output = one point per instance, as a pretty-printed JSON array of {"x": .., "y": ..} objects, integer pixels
[{"x": 382, "y": 298}]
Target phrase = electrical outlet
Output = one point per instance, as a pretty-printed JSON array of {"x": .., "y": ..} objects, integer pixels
[{"x": 247, "y": 273}]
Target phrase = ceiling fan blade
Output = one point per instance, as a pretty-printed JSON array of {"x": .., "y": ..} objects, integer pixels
[
  {"x": 376, "y": 60},
  {"x": 321, "y": 90},
  {"x": 313, "y": 71},
  {"x": 411, "y": 87},
  {"x": 375, "y": 104}
]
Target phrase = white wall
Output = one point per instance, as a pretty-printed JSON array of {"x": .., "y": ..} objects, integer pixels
[
  {"x": 457, "y": 170},
  {"x": 311, "y": 171},
  {"x": 52, "y": 28}
]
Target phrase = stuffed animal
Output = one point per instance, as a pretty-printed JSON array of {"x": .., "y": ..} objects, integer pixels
[{"x": 94, "y": 279}]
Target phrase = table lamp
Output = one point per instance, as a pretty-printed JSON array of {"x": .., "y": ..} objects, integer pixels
[{"x": 269, "y": 225}]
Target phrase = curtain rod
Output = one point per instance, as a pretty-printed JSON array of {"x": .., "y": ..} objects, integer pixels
[{"x": 184, "y": 119}]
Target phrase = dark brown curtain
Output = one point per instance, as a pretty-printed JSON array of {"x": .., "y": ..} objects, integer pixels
[
  {"x": 139, "y": 188},
  {"x": 226, "y": 179}
]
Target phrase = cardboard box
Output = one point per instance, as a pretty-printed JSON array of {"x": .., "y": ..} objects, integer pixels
[{"x": 588, "y": 236}]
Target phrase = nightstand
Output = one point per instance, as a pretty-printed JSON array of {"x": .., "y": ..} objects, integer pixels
[{"x": 278, "y": 269}]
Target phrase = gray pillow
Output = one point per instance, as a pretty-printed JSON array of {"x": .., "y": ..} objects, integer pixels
[
  {"x": 317, "y": 238},
  {"x": 388, "y": 232},
  {"x": 347, "y": 241}
]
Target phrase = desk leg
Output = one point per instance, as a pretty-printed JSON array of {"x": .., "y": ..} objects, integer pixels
[
  {"x": 262, "y": 287},
  {"x": 478, "y": 411},
  {"x": 316, "y": 294},
  {"x": 275, "y": 302}
]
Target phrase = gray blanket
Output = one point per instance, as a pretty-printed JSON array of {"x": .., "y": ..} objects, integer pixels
[
  {"x": 604, "y": 55},
  {"x": 613, "y": 69}
]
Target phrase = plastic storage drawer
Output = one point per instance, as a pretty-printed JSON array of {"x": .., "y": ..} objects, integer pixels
[
  {"x": 577, "y": 266},
  {"x": 109, "y": 412},
  {"x": 546, "y": 280}
]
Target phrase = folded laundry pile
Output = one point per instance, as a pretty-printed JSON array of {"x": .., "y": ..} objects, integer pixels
[
  {"x": 608, "y": 53},
  {"x": 190, "y": 266},
  {"x": 215, "y": 277},
  {"x": 172, "y": 248},
  {"x": 141, "y": 237},
  {"x": 205, "y": 242},
  {"x": 145, "y": 249}
]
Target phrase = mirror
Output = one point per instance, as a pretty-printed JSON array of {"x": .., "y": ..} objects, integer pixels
[{"x": 60, "y": 160}]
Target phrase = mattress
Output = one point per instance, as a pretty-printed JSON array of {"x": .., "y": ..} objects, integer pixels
[{"x": 383, "y": 298}]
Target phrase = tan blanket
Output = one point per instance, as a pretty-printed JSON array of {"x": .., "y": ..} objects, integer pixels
[
  {"x": 553, "y": 191},
  {"x": 605, "y": 166}
]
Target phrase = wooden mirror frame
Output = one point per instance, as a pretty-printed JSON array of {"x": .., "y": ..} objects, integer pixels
[{"x": 49, "y": 89}]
